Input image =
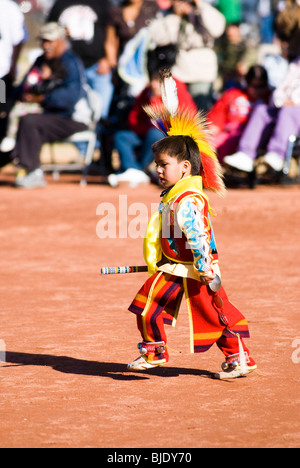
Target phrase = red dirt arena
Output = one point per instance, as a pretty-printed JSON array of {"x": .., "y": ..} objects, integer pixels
[{"x": 66, "y": 334}]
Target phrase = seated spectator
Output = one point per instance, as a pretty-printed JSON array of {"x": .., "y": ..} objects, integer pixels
[
  {"x": 142, "y": 134},
  {"x": 85, "y": 22},
  {"x": 271, "y": 126},
  {"x": 65, "y": 108},
  {"x": 230, "y": 114},
  {"x": 38, "y": 81}
]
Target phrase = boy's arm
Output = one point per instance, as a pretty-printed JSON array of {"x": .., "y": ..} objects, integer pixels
[
  {"x": 152, "y": 243},
  {"x": 191, "y": 220}
]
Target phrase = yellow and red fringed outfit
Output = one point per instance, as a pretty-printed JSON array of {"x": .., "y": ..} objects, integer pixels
[{"x": 179, "y": 247}]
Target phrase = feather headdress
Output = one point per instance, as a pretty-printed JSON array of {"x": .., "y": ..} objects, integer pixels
[{"x": 171, "y": 119}]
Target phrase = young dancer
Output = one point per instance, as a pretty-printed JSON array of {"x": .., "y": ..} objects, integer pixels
[{"x": 180, "y": 249}]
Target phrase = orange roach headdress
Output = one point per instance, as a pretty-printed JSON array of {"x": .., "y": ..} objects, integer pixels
[{"x": 170, "y": 119}]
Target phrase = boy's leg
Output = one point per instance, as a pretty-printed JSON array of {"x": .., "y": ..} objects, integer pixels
[
  {"x": 217, "y": 320},
  {"x": 150, "y": 306},
  {"x": 231, "y": 368}
]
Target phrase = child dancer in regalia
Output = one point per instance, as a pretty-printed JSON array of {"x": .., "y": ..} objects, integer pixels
[{"x": 180, "y": 248}]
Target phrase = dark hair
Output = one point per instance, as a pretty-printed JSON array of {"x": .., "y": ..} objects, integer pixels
[
  {"x": 181, "y": 147},
  {"x": 57, "y": 67},
  {"x": 257, "y": 72},
  {"x": 161, "y": 57}
]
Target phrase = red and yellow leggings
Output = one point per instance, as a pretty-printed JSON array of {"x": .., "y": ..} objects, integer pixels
[{"x": 158, "y": 302}]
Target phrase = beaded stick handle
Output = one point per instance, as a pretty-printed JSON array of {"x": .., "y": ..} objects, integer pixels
[{"x": 123, "y": 269}]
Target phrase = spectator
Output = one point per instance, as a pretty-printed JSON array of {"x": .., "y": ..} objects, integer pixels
[
  {"x": 66, "y": 110},
  {"x": 193, "y": 25},
  {"x": 85, "y": 22},
  {"x": 231, "y": 50},
  {"x": 39, "y": 81},
  {"x": 12, "y": 37},
  {"x": 287, "y": 26},
  {"x": 271, "y": 126},
  {"x": 125, "y": 21},
  {"x": 142, "y": 134},
  {"x": 230, "y": 113}
]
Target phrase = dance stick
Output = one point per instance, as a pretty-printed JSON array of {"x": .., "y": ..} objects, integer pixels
[{"x": 123, "y": 269}]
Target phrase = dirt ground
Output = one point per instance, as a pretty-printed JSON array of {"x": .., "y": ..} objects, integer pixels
[{"x": 68, "y": 336}]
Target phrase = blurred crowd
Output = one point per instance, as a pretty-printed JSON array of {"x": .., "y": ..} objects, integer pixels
[{"x": 238, "y": 61}]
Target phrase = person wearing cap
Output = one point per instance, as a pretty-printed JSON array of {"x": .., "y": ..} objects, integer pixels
[
  {"x": 65, "y": 108},
  {"x": 85, "y": 22}
]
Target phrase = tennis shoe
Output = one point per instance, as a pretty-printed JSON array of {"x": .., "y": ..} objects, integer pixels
[
  {"x": 274, "y": 161},
  {"x": 240, "y": 161},
  {"x": 31, "y": 180}
]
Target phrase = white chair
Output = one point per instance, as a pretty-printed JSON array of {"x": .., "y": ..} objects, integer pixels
[
  {"x": 293, "y": 145},
  {"x": 88, "y": 136}
]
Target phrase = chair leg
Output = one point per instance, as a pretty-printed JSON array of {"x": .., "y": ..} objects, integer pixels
[
  {"x": 55, "y": 175},
  {"x": 289, "y": 154},
  {"x": 90, "y": 150},
  {"x": 252, "y": 179},
  {"x": 83, "y": 181},
  {"x": 88, "y": 160}
]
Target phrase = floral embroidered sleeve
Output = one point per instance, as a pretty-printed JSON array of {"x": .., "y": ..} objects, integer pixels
[{"x": 192, "y": 222}]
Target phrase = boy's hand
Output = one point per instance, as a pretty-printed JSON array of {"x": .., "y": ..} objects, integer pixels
[{"x": 208, "y": 278}]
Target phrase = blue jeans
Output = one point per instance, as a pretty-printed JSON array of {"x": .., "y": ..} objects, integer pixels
[
  {"x": 267, "y": 29},
  {"x": 127, "y": 142},
  {"x": 103, "y": 85}
]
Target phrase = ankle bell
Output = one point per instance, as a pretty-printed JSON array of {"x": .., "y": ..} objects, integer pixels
[{"x": 156, "y": 348}]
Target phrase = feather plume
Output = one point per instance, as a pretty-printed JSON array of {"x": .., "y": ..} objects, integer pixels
[
  {"x": 160, "y": 117},
  {"x": 170, "y": 119},
  {"x": 169, "y": 91},
  {"x": 195, "y": 125}
]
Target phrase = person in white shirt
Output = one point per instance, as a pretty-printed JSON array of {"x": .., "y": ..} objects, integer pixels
[{"x": 12, "y": 36}]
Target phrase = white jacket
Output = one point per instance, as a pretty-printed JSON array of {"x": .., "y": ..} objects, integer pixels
[
  {"x": 289, "y": 90},
  {"x": 196, "y": 61}
]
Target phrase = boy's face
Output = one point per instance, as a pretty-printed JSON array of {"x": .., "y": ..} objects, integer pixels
[{"x": 170, "y": 170}]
